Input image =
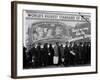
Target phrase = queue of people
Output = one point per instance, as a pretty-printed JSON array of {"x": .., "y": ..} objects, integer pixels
[{"x": 46, "y": 55}]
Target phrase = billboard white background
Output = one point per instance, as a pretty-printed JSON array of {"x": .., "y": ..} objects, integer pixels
[{"x": 5, "y": 41}]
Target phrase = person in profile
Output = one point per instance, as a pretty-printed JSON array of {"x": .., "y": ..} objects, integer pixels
[
  {"x": 51, "y": 54},
  {"x": 62, "y": 54},
  {"x": 81, "y": 53},
  {"x": 67, "y": 55},
  {"x": 38, "y": 62},
  {"x": 72, "y": 53},
  {"x": 77, "y": 56},
  {"x": 45, "y": 52},
  {"x": 42, "y": 56},
  {"x": 56, "y": 54}
]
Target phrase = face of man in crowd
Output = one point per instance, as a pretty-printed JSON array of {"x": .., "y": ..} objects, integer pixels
[
  {"x": 82, "y": 45},
  {"x": 64, "y": 45},
  {"x": 42, "y": 46},
  {"x": 72, "y": 44},
  {"x": 77, "y": 44},
  {"x": 68, "y": 44},
  {"x": 60, "y": 44},
  {"x": 48, "y": 45},
  {"x": 35, "y": 45},
  {"x": 53, "y": 45}
]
